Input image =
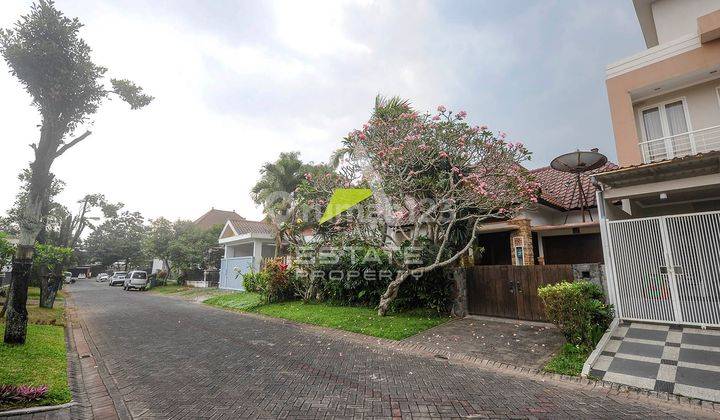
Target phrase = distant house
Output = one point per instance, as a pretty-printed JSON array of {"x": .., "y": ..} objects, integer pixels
[
  {"x": 246, "y": 243},
  {"x": 207, "y": 221},
  {"x": 215, "y": 217},
  {"x": 556, "y": 231}
]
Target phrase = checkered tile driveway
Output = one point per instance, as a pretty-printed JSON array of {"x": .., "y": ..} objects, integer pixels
[{"x": 675, "y": 359}]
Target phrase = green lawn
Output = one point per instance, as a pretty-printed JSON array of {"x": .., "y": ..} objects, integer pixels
[
  {"x": 348, "y": 318},
  {"x": 239, "y": 301},
  {"x": 34, "y": 294},
  {"x": 569, "y": 361},
  {"x": 169, "y": 289},
  {"x": 41, "y": 361},
  {"x": 188, "y": 292}
]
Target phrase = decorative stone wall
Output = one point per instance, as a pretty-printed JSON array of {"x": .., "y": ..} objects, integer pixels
[
  {"x": 524, "y": 231},
  {"x": 459, "y": 281},
  {"x": 592, "y": 272}
]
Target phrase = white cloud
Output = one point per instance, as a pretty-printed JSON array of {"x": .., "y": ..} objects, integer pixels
[{"x": 233, "y": 91}]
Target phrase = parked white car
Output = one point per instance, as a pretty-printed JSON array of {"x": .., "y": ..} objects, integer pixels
[
  {"x": 118, "y": 277},
  {"x": 136, "y": 280},
  {"x": 102, "y": 277}
]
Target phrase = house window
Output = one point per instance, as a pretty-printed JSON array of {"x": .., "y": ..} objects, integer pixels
[{"x": 668, "y": 121}]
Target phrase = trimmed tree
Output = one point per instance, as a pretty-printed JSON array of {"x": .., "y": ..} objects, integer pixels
[
  {"x": 158, "y": 240},
  {"x": 117, "y": 239},
  {"x": 43, "y": 50},
  {"x": 435, "y": 180},
  {"x": 50, "y": 261}
]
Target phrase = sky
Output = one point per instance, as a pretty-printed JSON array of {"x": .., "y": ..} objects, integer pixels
[{"x": 237, "y": 82}]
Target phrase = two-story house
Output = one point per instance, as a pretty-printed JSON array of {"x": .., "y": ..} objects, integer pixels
[
  {"x": 664, "y": 242},
  {"x": 662, "y": 246}
]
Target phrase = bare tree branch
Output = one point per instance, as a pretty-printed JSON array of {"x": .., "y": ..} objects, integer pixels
[{"x": 77, "y": 140}]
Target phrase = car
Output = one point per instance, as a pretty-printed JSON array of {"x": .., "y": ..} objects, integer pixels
[
  {"x": 81, "y": 276},
  {"x": 136, "y": 280},
  {"x": 118, "y": 277},
  {"x": 68, "y": 277},
  {"x": 102, "y": 277}
]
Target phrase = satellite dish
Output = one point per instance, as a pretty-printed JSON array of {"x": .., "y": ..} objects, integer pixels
[{"x": 578, "y": 162}]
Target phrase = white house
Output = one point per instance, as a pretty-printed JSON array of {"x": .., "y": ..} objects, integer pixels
[{"x": 246, "y": 244}]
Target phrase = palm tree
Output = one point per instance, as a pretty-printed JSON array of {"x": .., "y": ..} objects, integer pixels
[
  {"x": 385, "y": 109},
  {"x": 281, "y": 176}
]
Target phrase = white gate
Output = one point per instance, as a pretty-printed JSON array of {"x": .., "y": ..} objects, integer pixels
[
  {"x": 667, "y": 269},
  {"x": 231, "y": 271}
]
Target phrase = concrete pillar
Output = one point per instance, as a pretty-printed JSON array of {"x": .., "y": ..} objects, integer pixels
[
  {"x": 524, "y": 237},
  {"x": 257, "y": 254}
]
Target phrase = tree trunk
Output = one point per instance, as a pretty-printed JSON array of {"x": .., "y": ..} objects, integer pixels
[
  {"x": 30, "y": 226},
  {"x": 16, "y": 313},
  {"x": 392, "y": 291},
  {"x": 49, "y": 286}
]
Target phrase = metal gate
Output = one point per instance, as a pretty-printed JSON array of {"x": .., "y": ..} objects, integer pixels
[{"x": 667, "y": 269}]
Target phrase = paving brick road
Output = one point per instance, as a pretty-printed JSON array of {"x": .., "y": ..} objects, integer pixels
[{"x": 174, "y": 359}]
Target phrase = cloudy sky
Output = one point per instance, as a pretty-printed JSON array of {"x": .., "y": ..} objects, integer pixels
[{"x": 237, "y": 82}]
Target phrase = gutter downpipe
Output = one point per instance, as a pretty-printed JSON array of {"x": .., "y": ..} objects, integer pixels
[
  {"x": 606, "y": 244},
  {"x": 609, "y": 278}
]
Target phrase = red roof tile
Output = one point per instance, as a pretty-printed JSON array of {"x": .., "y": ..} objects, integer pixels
[
  {"x": 560, "y": 188},
  {"x": 216, "y": 217}
]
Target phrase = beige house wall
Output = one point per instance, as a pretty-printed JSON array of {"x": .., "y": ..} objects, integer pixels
[
  {"x": 701, "y": 100},
  {"x": 674, "y": 19},
  {"x": 619, "y": 89}
]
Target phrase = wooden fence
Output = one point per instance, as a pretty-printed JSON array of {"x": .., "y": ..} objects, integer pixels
[{"x": 510, "y": 291}]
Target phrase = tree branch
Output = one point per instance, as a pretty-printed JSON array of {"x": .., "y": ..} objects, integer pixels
[{"x": 77, "y": 140}]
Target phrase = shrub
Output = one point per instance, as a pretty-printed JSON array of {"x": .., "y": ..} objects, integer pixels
[
  {"x": 362, "y": 279},
  {"x": 274, "y": 282},
  {"x": 357, "y": 279},
  {"x": 255, "y": 282},
  {"x": 432, "y": 291},
  {"x": 10, "y": 394},
  {"x": 279, "y": 280},
  {"x": 578, "y": 310}
]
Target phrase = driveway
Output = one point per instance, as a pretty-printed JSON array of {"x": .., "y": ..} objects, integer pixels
[
  {"x": 517, "y": 343},
  {"x": 168, "y": 358}
]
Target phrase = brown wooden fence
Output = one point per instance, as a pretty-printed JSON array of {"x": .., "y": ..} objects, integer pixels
[{"x": 510, "y": 291}]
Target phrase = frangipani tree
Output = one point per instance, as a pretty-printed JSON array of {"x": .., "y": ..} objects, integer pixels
[
  {"x": 436, "y": 179},
  {"x": 44, "y": 51}
]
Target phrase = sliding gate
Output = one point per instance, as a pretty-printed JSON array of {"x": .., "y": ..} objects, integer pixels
[{"x": 667, "y": 269}]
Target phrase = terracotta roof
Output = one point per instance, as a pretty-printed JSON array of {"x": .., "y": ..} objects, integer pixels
[
  {"x": 216, "y": 217},
  {"x": 710, "y": 154},
  {"x": 243, "y": 227},
  {"x": 560, "y": 188}
]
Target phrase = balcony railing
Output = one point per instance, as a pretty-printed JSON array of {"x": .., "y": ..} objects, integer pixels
[{"x": 690, "y": 143}]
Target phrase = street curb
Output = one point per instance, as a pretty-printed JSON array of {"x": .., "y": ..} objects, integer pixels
[{"x": 33, "y": 410}]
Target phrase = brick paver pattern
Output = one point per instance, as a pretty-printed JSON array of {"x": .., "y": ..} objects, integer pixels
[{"x": 175, "y": 359}]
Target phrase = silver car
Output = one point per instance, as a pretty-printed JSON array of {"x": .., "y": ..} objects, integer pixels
[
  {"x": 118, "y": 277},
  {"x": 136, "y": 280}
]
